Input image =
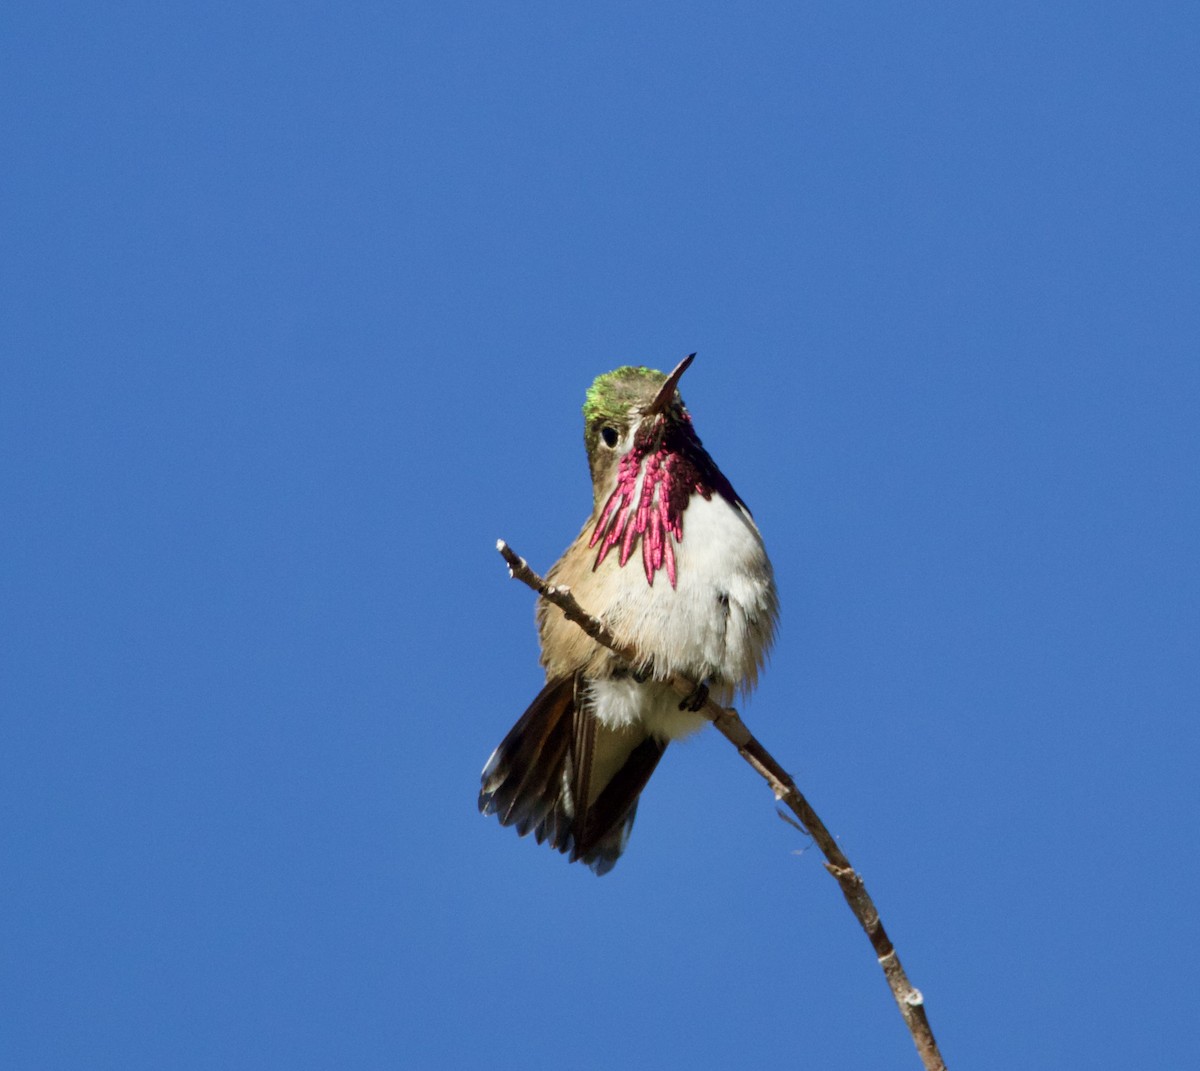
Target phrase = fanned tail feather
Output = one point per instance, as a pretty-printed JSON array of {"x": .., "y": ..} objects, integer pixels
[
  {"x": 539, "y": 779},
  {"x": 523, "y": 783}
]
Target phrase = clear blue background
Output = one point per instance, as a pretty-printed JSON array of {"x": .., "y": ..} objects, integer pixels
[{"x": 300, "y": 303}]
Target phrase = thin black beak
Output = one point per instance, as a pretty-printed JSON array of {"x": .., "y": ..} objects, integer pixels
[{"x": 666, "y": 393}]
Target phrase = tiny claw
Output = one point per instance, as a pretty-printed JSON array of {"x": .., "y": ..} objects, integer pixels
[{"x": 695, "y": 700}]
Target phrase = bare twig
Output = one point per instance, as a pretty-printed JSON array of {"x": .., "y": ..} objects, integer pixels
[{"x": 731, "y": 726}]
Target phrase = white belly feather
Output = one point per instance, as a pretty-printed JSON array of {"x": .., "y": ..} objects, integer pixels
[{"x": 715, "y": 625}]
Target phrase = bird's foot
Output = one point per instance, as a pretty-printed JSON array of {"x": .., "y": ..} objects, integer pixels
[{"x": 694, "y": 701}]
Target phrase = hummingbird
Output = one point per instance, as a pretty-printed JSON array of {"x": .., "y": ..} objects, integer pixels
[{"x": 672, "y": 562}]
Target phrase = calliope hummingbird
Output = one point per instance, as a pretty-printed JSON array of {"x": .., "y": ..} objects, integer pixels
[{"x": 671, "y": 561}]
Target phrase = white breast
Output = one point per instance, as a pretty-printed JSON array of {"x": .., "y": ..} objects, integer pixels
[{"x": 715, "y": 625}]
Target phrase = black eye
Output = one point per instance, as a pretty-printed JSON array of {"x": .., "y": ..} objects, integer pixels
[{"x": 609, "y": 435}]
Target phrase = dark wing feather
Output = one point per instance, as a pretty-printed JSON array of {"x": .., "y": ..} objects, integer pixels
[
  {"x": 523, "y": 782},
  {"x": 539, "y": 778},
  {"x": 600, "y": 841}
]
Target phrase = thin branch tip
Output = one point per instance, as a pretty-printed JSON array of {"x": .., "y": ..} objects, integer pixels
[{"x": 729, "y": 724}]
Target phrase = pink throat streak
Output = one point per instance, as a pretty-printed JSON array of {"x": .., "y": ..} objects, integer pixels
[
  {"x": 676, "y": 467},
  {"x": 651, "y": 519}
]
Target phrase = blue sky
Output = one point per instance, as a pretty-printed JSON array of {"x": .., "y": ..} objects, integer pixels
[{"x": 300, "y": 305}]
